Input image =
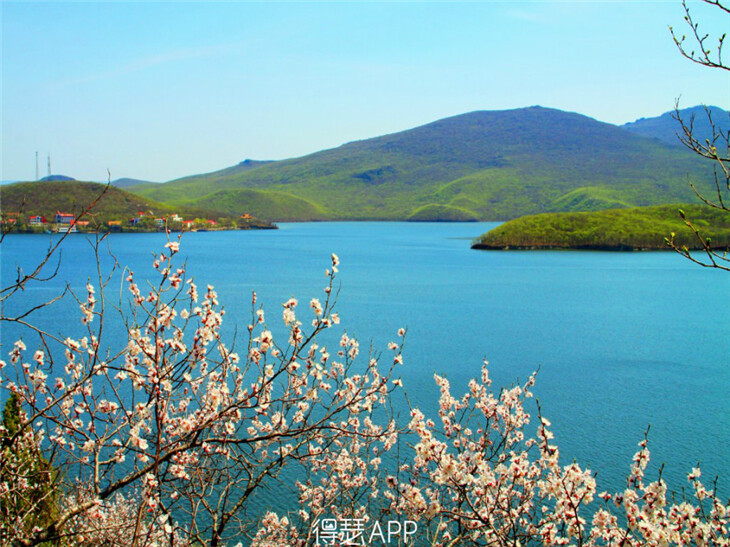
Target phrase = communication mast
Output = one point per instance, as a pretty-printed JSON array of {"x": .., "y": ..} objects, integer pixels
[
  {"x": 36, "y": 165},
  {"x": 49, "y": 165}
]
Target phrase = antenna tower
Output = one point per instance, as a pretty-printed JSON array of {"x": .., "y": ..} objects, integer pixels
[
  {"x": 49, "y": 165},
  {"x": 36, "y": 165}
]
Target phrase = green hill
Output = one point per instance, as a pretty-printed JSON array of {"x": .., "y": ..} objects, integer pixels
[
  {"x": 47, "y": 197},
  {"x": 446, "y": 213},
  {"x": 640, "y": 228},
  {"x": 272, "y": 204},
  {"x": 666, "y": 127},
  {"x": 492, "y": 165},
  {"x": 590, "y": 199},
  {"x": 127, "y": 182}
]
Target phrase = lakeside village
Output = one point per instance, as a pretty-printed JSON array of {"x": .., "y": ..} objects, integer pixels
[{"x": 142, "y": 222}]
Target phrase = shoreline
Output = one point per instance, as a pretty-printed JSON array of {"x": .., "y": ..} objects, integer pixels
[
  {"x": 138, "y": 231},
  {"x": 609, "y": 248}
]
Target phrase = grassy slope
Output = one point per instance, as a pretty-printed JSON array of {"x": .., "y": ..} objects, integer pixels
[
  {"x": 636, "y": 228},
  {"x": 45, "y": 198},
  {"x": 128, "y": 182},
  {"x": 271, "y": 205},
  {"x": 490, "y": 165},
  {"x": 448, "y": 213}
]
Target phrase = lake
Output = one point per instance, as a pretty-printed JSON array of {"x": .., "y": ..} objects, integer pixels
[{"x": 622, "y": 340}]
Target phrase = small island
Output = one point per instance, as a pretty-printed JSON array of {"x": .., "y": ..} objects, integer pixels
[{"x": 630, "y": 229}]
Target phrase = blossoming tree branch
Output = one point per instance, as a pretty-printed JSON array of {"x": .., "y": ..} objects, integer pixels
[{"x": 167, "y": 439}]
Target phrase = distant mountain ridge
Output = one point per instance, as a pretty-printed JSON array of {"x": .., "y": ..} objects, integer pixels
[
  {"x": 483, "y": 165},
  {"x": 57, "y": 178},
  {"x": 487, "y": 165},
  {"x": 668, "y": 129}
]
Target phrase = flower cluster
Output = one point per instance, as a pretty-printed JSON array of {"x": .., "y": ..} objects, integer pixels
[
  {"x": 171, "y": 435},
  {"x": 478, "y": 478},
  {"x": 176, "y": 415}
]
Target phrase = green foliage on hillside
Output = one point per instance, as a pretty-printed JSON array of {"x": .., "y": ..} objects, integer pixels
[
  {"x": 448, "y": 213},
  {"x": 591, "y": 198},
  {"x": 46, "y": 198},
  {"x": 126, "y": 182},
  {"x": 495, "y": 165},
  {"x": 262, "y": 204},
  {"x": 619, "y": 229},
  {"x": 42, "y": 494}
]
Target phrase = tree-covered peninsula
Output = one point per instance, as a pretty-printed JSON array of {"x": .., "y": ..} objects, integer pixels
[
  {"x": 63, "y": 205},
  {"x": 634, "y": 229}
]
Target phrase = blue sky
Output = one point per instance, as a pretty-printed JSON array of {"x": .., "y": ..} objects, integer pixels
[{"x": 162, "y": 90}]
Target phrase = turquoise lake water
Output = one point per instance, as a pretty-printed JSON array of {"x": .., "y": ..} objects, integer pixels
[{"x": 622, "y": 340}]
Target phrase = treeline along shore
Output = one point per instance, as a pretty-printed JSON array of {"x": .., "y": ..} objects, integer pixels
[{"x": 57, "y": 206}]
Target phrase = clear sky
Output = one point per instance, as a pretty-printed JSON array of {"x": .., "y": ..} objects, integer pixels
[{"x": 160, "y": 90}]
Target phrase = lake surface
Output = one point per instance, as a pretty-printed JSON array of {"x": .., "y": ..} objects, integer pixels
[{"x": 622, "y": 340}]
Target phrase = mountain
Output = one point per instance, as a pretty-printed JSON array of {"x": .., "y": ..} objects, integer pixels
[
  {"x": 488, "y": 165},
  {"x": 640, "y": 228},
  {"x": 666, "y": 128},
  {"x": 57, "y": 178}
]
